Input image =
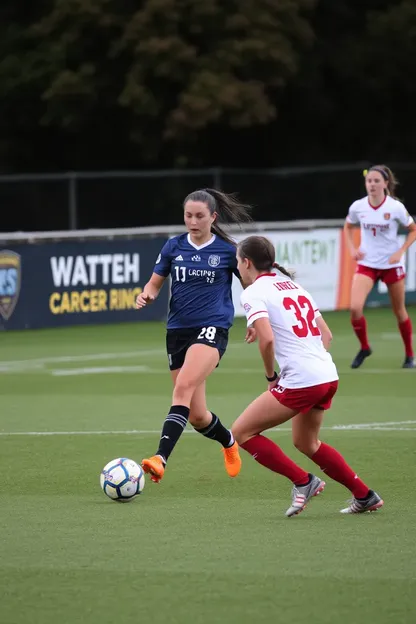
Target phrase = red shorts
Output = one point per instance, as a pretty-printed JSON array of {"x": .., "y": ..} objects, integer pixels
[
  {"x": 304, "y": 399},
  {"x": 388, "y": 276}
]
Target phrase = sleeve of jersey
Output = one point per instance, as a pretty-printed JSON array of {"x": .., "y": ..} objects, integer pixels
[
  {"x": 233, "y": 265},
  {"x": 352, "y": 216},
  {"x": 254, "y": 307},
  {"x": 163, "y": 261},
  {"x": 315, "y": 308},
  {"x": 404, "y": 217}
]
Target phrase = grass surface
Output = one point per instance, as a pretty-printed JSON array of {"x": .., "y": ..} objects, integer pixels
[{"x": 200, "y": 547}]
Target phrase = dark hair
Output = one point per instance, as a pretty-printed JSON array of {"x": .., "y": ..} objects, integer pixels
[
  {"x": 389, "y": 177},
  {"x": 261, "y": 252},
  {"x": 227, "y": 207}
]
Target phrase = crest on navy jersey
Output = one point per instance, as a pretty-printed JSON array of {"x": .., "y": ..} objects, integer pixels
[
  {"x": 196, "y": 258},
  {"x": 214, "y": 260},
  {"x": 387, "y": 216},
  {"x": 10, "y": 279}
]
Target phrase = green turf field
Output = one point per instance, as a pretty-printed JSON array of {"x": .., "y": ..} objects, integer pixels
[{"x": 199, "y": 547}]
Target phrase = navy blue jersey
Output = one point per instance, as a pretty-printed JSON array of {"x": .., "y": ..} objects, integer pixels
[{"x": 201, "y": 281}]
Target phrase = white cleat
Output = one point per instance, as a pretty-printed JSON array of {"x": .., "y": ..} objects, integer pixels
[
  {"x": 371, "y": 503},
  {"x": 301, "y": 495}
]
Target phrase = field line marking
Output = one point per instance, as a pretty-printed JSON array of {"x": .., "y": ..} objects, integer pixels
[{"x": 357, "y": 427}]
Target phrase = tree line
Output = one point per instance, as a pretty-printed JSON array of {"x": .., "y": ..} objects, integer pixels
[{"x": 118, "y": 84}]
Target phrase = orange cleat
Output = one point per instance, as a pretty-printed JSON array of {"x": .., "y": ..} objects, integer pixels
[
  {"x": 155, "y": 467},
  {"x": 232, "y": 460}
]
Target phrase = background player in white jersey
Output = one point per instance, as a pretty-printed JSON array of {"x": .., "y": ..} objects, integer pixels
[
  {"x": 290, "y": 328},
  {"x": 380, "y": 256},
  {"x": 201, "y": 264}
]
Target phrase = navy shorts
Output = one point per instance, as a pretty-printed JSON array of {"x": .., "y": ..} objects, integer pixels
[{"x": 178, "y": 342}]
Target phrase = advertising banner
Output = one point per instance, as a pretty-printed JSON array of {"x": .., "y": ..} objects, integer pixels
[
  {"x": 379, "y": 294},
  {"x": 314, "y": 257},
  {"x": 76, "y": 283},
  {"x": 323, "y": 265}
]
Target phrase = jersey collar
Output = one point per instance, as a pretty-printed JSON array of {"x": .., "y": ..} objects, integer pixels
[
  {"x": 379, "y": 206},
  {"x": 265, "y": 275},
  {"x": 198, "y": 247}
]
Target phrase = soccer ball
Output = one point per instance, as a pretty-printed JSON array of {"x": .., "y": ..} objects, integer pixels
[{"x": 122, "y": 479}]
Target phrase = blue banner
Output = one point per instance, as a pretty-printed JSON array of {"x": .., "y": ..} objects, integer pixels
[{"x": 76, "y": 283}]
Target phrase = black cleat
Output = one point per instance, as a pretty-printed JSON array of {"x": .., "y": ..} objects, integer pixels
[
  {"x": 360, "y": 357},
  {"x": 409, "y": 362}
]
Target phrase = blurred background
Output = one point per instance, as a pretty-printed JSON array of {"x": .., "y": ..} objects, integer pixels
[{"x": 111, "y": 111}]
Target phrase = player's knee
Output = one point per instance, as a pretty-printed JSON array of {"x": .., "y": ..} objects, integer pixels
[
  {"x": 356, "y": 311},
  {"x": 183, "y": 391},
  {"x": 306, "y": 446},
  {"x": 400, "y": 313},
  {"x": 199, "y": 419},
  {"x": 241, "y": 434}
]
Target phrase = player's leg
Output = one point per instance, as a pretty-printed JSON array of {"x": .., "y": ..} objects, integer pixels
[
  {"x": 361, "y": 288},
  {"x": 209, "y": 425},
  {"x": 397, "y": 298},
  {"x": 262, "y": 414},
  {"x": 200, "y": 360},
  {"x": 305, "y": 434}
]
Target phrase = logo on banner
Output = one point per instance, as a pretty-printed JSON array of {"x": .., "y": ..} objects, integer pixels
[{"x": 10, "y": 280}]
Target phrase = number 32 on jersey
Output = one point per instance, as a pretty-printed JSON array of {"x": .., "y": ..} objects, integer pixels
[{"x": 304, "y": 313}]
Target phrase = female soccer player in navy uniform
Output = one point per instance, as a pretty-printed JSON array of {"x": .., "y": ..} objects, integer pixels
[
  {"x": 291, "y": 330},
  {"x": 201, "y": 264},
  {"x": 379, "y": 256}
]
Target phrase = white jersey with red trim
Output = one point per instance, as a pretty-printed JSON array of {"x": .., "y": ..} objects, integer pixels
[
  {"x": 379, "y": 227},
  {"x": 292, "y": 312}
]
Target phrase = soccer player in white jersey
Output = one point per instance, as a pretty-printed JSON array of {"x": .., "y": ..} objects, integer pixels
[
  {"x": 380, "y": 256},
  {"x": 291, "y": 330}
]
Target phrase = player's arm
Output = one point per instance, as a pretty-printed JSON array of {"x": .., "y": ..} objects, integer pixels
[
  {"x": 326, "y": 333},
  {"x": 266, "y": 344},
  {"x": 150, "y": 291},
  {"x": 251, "y": 334},
  {"x": 160, "y": 273},
  {"x": 406, "y": 221},
  {"x": 410, "y": 238},
  {"x": 351, "y": 222},
  {"x": 357, "y": 254}
]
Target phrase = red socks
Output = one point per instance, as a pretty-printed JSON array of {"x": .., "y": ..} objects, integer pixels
[
  {"x": 268, "y": 454},
  {"x": 334, "y": 465},
  {"x": 406, "y": 333},
  {"x": 360, "y": 328}
]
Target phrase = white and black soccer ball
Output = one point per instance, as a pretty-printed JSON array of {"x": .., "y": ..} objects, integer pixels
[{"x": 122, "y": 479}]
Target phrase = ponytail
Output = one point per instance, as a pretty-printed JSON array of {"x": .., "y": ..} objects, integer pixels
[
  {"x": 282, "y": 269},
  {"x": 260, "y": 250},
  {"x": 227, "y": 208}
]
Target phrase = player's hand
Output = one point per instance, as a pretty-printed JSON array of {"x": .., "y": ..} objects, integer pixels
[
  {"x": 251, "y": 335},
  {"x": 396, "y": 257},
  {"x": 357, "y": 254},
  {"x": 273, "y": 384},
  {"x": 143, "y": 300}
]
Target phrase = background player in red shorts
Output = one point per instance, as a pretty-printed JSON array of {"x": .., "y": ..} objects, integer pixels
[
  {"x": 379, "y": 256},
  {"x": 290, "y": 328}
]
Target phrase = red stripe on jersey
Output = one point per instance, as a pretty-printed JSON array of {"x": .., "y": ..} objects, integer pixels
[
  {"x": 265, "y": 275},
  {"x": 258, "y": 312},
  {"x": 377, "y": 207}
]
